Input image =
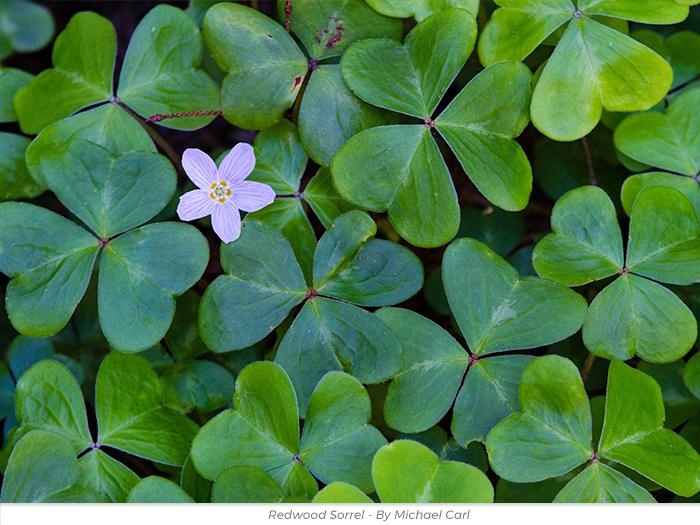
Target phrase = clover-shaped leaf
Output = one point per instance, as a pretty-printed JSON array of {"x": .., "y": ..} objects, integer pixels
[
  {"x": 667, "y": 141},
  {"x": 154, "y": 489},
  {"x": 114, "y": 193},
  {"x": 553, "y": 435},
  {"x": 164, "y": 53},
  {"x": 49, "y": 398},
  {"x": 421, "y": 9},
  {"x": 496, "y": 312},
  {"x": 340, "y": 492},
  {"x": 633, "y": 315},
  {"x": 400, "y": 168},
  {"x": 330, "y": 333},
  {"x": 581, "y": 76},
  {"x": 408, "y": 472},
  {"x": 244, "y": 484},
  {"x": 267, "y": 69},
  {"x": 43, "y": 468},
  {"x": 262, "y": 430}
]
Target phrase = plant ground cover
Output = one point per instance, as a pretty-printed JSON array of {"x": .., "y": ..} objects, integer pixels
[{"x": 385, "y": 251}]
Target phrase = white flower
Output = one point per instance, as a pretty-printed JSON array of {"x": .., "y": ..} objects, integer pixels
[{"x": 222, "y": 192}]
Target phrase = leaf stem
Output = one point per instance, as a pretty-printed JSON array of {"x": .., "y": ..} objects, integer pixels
[
  {"x": 587, "y": 367},
  {"x": 589, "y": 162}
]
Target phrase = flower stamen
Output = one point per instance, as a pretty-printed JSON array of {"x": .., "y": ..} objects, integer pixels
[{"x": 220, "y": 192}]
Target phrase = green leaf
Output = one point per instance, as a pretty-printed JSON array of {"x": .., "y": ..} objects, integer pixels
[
  {"x": 109, "y": 193},
  {"x": 146, "y": 306},
  {"x": 49, "y": 263},
  {"x": 667, "y": 141},
  {"x": 421, "y": 8},
  {"x": 161, "y": 71},
  {"x": 326, "y": 94},
  {"x": 330, "y": 335},
  {"x": 435, "y": 439},
  {"x": 327, "y": 29},
  {"x": 246, "y": 485},
  {"x": 653, "y": 12},
  {"x": 324, "y": 199},
  {"x": 664, "y": 240},
  {"x": 433, "y": 367},
  {"x": 265, "y": 66},
  {"x": 340, "y": 492},
  {"x": 421, "y": 70},
  {"x": 300, "y": 483},
  {"x": 198, "y": 384},
  {"x": 105, "y": 477},
  {"x": 183, "y": 339},
  {"x": 26, "y": 27},
  {"x": 582, "y": 77},
  {"x": 15, "y": 180},
  {"x": 107, "y": 125},
  {"x": 408, "y": 472},
  {"x": 635, "y": 184},
  {"x": 497, "y": 311},
  {"x": 339, "y": 246},
  {"x": 587, "y": 242},
  {"x": 552, "y": 435},
  {"x": 11, "y": 80},
  {"x": 490, "y": 394},
  {"x": 602, "y": 484},
  {"x": 194, "y": 484},
  {"x": 691, "y": 375},
  {"x": 154, "y": 489},
  {"x": 49, "y": 398},
  {"x": 636, "y": 316},
  {"x": 83, "y": 58},
  {"x": 499, "y": 230},
  {"x": 130, "y": 416},
  {"x": 42, "y": 465},
  {"x": 479, "y": 124},
  {"x": 679, "y": 403},
  {"x": 262, "y": 431},
  {"x": 258, "y": 292},
  {"x": 24, "y": 352},
  {"x": 280, "y": 159},
  {"x": 337, "y": 426},
  {"x": 400, "y": 168}
]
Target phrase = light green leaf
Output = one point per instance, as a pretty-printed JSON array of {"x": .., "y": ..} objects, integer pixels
[
  {"x": 634, "y": 315},
  {"x": 109, "y": 193},
  {"x": 107, "y": 125},
  {"x": 246, "y": 485},
  {"x": 154, "y": 489},
  {"x": 161, "y": 71},
  {"x": 421, "y": 70},
  {"x": 497, "y": 311},
  {"x": 11, "y": 80},
  {"x": 653, "y": 11},
  {"x": 338, "y": 443},
  {"x": 340, "y": 492},
  {"x": 130, "y": 417},
  {"x": 635, "y": 184},
  {"x": 602, "y": 484},
  {"x": 83, "y": 58},
  {"x": 552, "y": 435},
  {"x": 587, "y": 242},
  {"x": 490, "y": 394},
  {"x": 478, "y": 125},
  {"x": 421, "y": 8},
  {"x": 15, "y": 180},
  {"x": 433, "y": 367},
  {"x": 680, "y": 404},
  {"x": 400, "y": 168},
  {"x": 194, "y": 484},
  {"x": 105, "y": 477},
  {"x": 265, "y": 66},
  {"x": 146, "y": 306},
  {"x": 49, "y": 260},
  {"x": 330, "y": 335},
  {"x": 49, "y": 398},
  {"x": 327, "y": 94},
  {"x": 258, "y": 292},
  {"x": 42, "y": 465},
  {"x": 280, "y": 158},
  {"x": 664, "y": 239},
  {"x": 262, "y": 431},
  {"x": 408, "y": 472},
  {"x": 326, "y": 29},
  {"x": 324, "y": 199}
]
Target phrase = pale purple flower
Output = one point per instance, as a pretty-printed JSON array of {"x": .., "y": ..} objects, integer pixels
[{"x": 222, "y": 192}]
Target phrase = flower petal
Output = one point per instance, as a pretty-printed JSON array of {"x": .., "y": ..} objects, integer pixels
[
  {"x": 226, "y": 220},
  {"x": 238, "y": 164},
  {"x": 251, "y": 196},
  {"x": 200, "y": 168},
  {"x": 195, "y": 205}
]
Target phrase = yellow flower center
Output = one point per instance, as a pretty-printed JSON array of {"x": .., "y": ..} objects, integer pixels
[{"x": 220, "y": 191}]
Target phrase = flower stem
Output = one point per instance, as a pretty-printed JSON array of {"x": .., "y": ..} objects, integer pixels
[
  {"x": 587, "y": 367},
  {"x": 589, "y": 162}
]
